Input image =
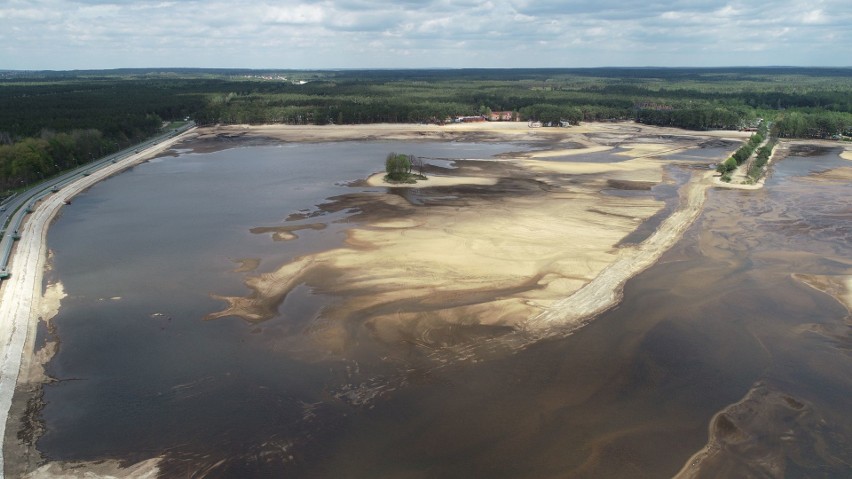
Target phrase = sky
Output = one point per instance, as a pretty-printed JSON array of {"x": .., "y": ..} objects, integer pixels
[{"x": 332, "y": 34}]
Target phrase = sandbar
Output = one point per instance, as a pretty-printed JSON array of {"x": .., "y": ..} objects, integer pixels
[
  {"x": 521, "y": 243},
  {"x": 527, "y": 243}
]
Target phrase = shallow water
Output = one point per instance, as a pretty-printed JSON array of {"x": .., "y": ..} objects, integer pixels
[
  {"x": 629, "y": 395},
  {"x": 140, "y": 255},
  {"x": 666, "y": 192}
]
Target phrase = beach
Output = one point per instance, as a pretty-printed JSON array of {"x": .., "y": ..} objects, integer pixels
[
  {"x": 526, "y": 242},
  {"x": 519, "y": 247}
]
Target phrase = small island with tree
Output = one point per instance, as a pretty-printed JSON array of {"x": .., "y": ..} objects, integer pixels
[{"x": 398, "y": 168}]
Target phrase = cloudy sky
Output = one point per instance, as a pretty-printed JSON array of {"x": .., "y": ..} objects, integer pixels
[{"x": 83, "y": 34}]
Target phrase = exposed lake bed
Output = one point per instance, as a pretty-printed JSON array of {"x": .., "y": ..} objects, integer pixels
[{"x": 332, "y": 362}]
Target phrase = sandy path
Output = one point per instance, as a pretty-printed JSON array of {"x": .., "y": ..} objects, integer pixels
[
  {"x": 541, "y": 262},
  {"x": 606, "y": 289},
  {"x": 22, "y": 292}
]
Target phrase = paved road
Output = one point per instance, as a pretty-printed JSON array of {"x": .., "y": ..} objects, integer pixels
[
  {"x": 20, "y": 294},
  {"x": 13, "y": 210}
]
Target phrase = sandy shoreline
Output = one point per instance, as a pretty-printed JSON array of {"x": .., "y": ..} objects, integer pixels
[
  {"x": 494, "y": 131},
  {"x": 524, "y": 243},
  {"x": 528, "y": 243},
  {"x": 523, "y": 234}
]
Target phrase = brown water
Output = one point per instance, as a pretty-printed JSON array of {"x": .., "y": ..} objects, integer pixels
[{"x": 630, "y": 395}]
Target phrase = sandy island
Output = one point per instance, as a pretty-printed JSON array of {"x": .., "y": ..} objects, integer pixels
[
  {"x": 526, "y": 245},
  {"x": 529, "y": 242}
]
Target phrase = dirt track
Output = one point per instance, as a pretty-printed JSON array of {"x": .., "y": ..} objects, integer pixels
[{"x": 605, "y": 290}]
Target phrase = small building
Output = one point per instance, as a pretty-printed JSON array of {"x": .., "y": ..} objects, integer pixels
[{"x": 501, "y": 116}]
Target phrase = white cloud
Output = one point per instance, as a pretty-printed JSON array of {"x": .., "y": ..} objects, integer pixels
[
  {"x": 64, "y": 34},
  {"x": 814, "y": 17},
  {"x": 296, "y": 15}
]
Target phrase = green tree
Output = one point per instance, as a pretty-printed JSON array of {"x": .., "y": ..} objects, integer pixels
[
  {"x": 728, "y": 165},
  {"x": 397, "y": 166}
]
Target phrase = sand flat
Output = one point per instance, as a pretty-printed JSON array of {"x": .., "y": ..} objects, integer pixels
[
  {"x": 521, "y": 236},
  {"x": 569, "y": 151},
  {"x": 434, "y": 180}
]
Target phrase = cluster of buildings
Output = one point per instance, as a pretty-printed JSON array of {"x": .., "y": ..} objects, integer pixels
[
  {"x": 505, "y": 116},
  {"x": 492, "y": 116}
]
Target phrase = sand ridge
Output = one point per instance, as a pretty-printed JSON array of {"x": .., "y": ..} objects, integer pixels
[
  {"x": 148, "y": 469},
  {"x": 521, "y": 243},
  {"x": 605, "y": 290},
  {"x": 504, "y": 246}
]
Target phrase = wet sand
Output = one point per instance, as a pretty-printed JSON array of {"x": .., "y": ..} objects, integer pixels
[
  {"x": 492, "y": 246},
  {"x": 486, "y": 249},
  {"x": 716, "y": 333},
  {"x": 792, "y": 421},
  {"x": 523, "y": 243}
]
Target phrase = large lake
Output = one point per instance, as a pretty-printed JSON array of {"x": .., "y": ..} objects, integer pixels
[{"x": 142, "y": 374}]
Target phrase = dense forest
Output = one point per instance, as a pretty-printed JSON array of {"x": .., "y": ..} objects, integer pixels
[{"x": 51, "y": 121}]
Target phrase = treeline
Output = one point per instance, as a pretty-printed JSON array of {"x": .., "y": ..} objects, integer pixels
[
  {"x": 700, "y": 118},
  {"x": 819, "y": 124},
  {"x": 120, "y": 108},
  {"x": 743, "y": 153},
  {"x": 692, "y": 99},
  {"x": 49, "y": 120},
  {"x": 51, "y": 126},
  {"x": 814, "y": 102},
  {"x": 33, "y": 159},
  {"x": 763, "y": 155}
]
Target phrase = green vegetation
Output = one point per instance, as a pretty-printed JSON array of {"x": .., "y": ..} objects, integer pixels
[
  {"x": 34, "y": 159},
  {"x": 51, "y": 121},
  {"x": 398, "y": 168},
  {"x": 742, "y": 154},
  {"x": 728, "y": 165},
  {"x": 813, "y": 124},
  {"x": 755, "y": 170}
]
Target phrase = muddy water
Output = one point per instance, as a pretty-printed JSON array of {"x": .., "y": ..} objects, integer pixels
[
  {"x": 630, "y": 395},
  {"x": 139, "y": 370}
]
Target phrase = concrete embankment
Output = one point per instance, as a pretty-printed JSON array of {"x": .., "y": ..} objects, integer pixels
[{"x": 22, "y": 291}]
